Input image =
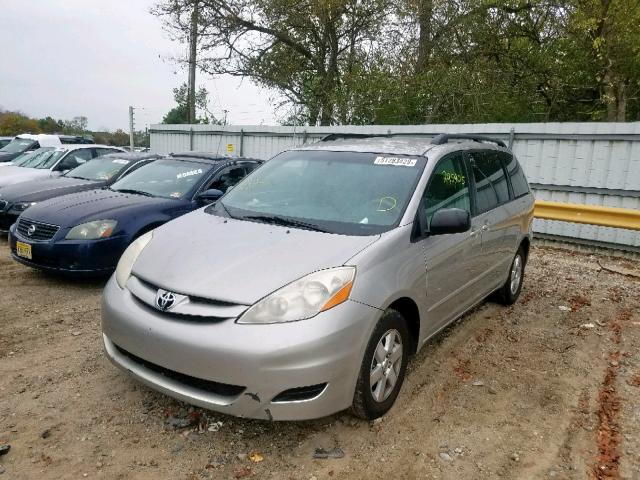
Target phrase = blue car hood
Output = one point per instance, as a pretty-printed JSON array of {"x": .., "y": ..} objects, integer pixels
[{"x": 77, "y": 208}]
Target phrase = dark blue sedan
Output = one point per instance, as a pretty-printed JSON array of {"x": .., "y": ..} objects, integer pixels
[{"x": 86, "y": 233}]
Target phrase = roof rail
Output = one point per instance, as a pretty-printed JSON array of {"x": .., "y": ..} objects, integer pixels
[
  {"x": 340, "y": 136},
  {"x": 445, "y": 137}
]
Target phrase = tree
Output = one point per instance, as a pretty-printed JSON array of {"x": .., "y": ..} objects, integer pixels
[
  {"x": 426, "y": 61},
  {"x": 15, "y": 123},
  {"x": 180, "y": 113},
  {"x": 50, "y": 125},
  {"x": 300, "y": 48},
  {"x": 76, "y": 126}
]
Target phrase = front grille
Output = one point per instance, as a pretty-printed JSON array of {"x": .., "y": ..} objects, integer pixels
[
  {"x": 36, "y": 230},
  {"x": 206, "y": 385},
  {"x": 300, "y": 393},
  {"x": 193, "y": 309}
]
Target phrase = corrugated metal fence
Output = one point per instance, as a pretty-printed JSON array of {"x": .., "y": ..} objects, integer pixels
[{"x": 586, "y": 163}]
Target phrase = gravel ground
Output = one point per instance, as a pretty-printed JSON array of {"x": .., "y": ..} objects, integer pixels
[{"x": 547, "y": 388}]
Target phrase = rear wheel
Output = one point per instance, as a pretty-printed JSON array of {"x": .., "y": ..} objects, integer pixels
[
  {"x": 510, "y": 291},
  {"x": 383, "y": 367}
]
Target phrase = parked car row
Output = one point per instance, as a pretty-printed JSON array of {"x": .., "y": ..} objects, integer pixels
[
  {"x": 305, "y": 288},
  {"x": 27, "y": 142}
]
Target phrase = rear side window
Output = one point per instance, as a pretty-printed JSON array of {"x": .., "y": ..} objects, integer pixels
[
  {"x": 516, "y": 174},
  {"x": 492, "y": 188},
  {"x": 448, "y": 187}
]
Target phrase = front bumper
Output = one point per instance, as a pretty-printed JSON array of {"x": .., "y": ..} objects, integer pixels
[
  {"x": 76, "y": 257},
  {"x": 263, "y": 360}
]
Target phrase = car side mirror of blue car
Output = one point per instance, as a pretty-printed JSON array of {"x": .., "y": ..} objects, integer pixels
[
  {"x": 209, "y": 196},
  {"x": 449, "y": 220}
]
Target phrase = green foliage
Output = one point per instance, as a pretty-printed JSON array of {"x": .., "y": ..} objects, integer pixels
[
  {"x": 180, "y": 113},
  {"x": 427, "y": 61},
  {"x": 15, "y": 123}
]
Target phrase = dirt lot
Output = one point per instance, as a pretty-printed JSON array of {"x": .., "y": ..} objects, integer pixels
[{"x": 548, "y": 388}]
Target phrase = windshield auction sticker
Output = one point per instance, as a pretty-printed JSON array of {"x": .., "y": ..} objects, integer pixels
[
  {"x": 395, "y": 161},
  {"x": 189, "y": 174}
]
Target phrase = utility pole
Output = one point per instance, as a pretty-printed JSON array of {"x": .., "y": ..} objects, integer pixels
[
  {"x": 193, "y": 45},
  {"x": 131, "y": 127}
]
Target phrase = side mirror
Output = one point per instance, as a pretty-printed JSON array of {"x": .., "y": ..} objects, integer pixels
[
  {"x": 450, "y": 220},
  {"x": 209, "y": 196}
]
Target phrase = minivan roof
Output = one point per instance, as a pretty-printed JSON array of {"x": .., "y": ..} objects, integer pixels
[{"x": 399, "y": 144}]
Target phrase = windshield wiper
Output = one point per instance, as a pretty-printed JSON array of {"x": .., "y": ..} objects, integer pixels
[
  {"x": 285, "y": 222},
  {"x": 135, "y": 192},
  {"x": 226, "y": 210}
]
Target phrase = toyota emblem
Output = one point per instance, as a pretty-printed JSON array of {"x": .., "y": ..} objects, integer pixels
[
  {"x": 31, "y": 230},
  {"x": 165, "y": 300}
]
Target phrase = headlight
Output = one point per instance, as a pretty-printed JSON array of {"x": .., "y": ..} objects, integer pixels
[
  {"x": 21, "y": 206},
  {"x": 92, "y": 230},
  {"x": 304, "y": 298},
  {"x": 129, "y": 257}
]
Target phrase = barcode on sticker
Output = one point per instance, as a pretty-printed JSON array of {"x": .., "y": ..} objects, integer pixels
[{"x": 396, "y": 161}]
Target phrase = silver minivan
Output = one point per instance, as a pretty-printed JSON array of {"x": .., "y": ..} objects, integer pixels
[{"x": 305, "y": 289}]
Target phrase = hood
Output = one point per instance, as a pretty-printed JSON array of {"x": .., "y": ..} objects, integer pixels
[
  {"x": 238, "y": 261},
  {"x": 11, "y": 175},
  {"x": 77, "y": 208},
  {"x": 44, "y": 189}
]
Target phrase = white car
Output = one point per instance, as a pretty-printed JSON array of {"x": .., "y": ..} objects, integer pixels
[
  {"x": 50, "y": 162},
  {"x": 27, "y": 142}
]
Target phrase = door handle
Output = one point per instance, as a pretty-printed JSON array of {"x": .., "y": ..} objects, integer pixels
[{"x": 485, "y": 228}]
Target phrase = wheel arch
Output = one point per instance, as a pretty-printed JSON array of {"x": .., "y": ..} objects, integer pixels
[{"x": 408, "y": 308}]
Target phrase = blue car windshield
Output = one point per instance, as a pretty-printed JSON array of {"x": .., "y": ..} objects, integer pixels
[
  {"x": 338, "y": 192},
  {"x": 168, "y": 178}
]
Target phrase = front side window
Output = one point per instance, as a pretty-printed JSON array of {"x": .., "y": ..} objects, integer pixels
[
  {"x": 164, "y": 178},
  {"x": 339, "y": 192},
  {"x": 492, "y": 189},
  {"x": 75, "y": 158},
  {"x": 448, "y": 187},
  {"x": 516, "y": 174},
  {"x": 228, "y": 178}
]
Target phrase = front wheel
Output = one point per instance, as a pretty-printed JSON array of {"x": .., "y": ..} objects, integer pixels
[
  {"x": 383, "y": 367},
  {"x": 510, "y": 291}
]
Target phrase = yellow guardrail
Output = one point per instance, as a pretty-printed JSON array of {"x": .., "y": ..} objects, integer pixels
[{"x": 589, "y": 214}]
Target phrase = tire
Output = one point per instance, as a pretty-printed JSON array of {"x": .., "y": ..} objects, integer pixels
[
  {"x": 368, "y": 403},
  {"x": 510, "y": 291}
]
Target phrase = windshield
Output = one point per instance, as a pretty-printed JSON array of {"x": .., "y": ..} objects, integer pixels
[
  {"x": 24, "y": 157},
  {"x": 164, "y": 178},
  {"x": 17, "y": 145},
  {"x": 338, "y": 192},
  {"x": 42, "y": 158},
  {"x": 101, "y": 168}
]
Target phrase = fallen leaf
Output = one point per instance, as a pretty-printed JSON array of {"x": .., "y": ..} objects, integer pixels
[{"x": 256, "y": 457}]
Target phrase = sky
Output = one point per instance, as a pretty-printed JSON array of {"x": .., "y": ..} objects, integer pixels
[{"x": 67, "y": 58}]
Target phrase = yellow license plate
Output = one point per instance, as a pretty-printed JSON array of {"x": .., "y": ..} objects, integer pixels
[{"x": 23, "y": 250}]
